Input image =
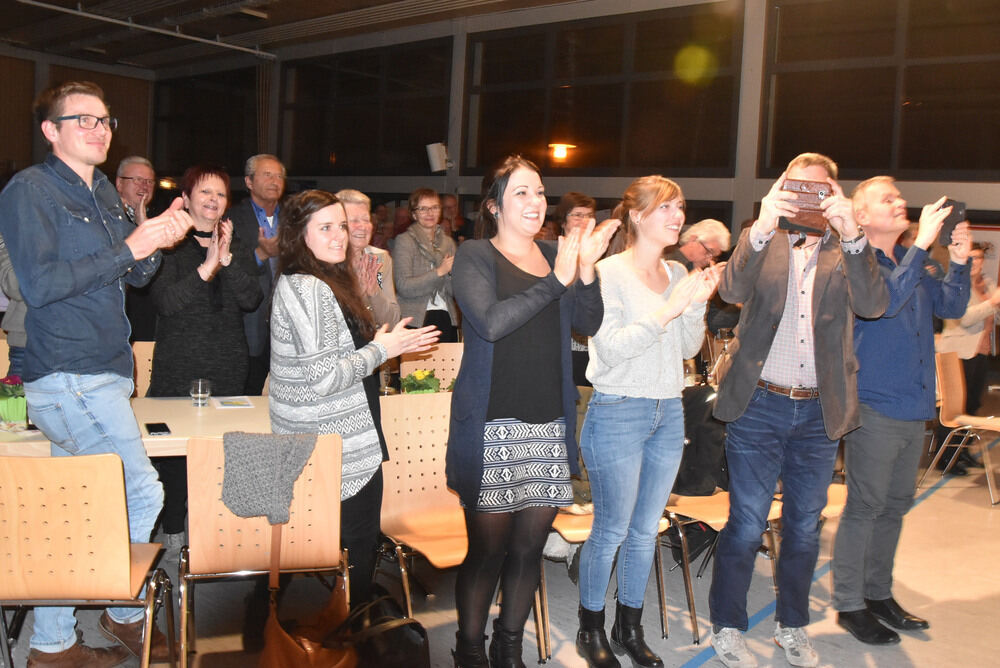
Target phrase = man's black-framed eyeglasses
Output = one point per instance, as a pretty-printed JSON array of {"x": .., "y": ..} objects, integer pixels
[{"x": 89, "y": 121}]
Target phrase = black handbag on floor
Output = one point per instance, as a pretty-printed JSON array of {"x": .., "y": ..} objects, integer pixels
[{"x": 384, "y": 637}]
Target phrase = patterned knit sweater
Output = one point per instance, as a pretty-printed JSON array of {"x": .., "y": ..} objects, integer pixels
[{"x": 316, "y": 375}]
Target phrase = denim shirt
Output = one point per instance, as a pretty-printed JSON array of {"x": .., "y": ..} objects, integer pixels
[
  {"x": 67, "y": 245},
  {"x": 896, "y": 351}
]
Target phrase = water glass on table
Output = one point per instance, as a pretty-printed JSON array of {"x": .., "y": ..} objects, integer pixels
[{"x": 201, "y": 390}]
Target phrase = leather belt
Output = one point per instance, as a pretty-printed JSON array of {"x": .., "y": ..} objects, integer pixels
[{"x": 790, "y": 392}]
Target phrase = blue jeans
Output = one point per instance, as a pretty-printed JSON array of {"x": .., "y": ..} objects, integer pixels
[
  {"x": 89, "y": 415},
  {"x": 632, "y": 448},
  {"x": 775, "y": 437},
  {"x": 15, "y": 356}
]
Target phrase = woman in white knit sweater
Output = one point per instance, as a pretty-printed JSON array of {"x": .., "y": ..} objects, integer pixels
[
  {"x": 324, "y": 350},
  {"x": 633, "y": 435}
]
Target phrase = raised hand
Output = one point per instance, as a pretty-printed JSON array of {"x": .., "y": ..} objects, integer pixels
[
  {"x": 839, "y": 210},
  {"x": 224, "y": 232},
  {"x": 445, "y": 266},
  {"x": 401, "y": 340},
  {"x": 162, "y": 231},
  {"x": 367, "y": 267},
  {"x": 266, "y": 247},
  {"x": 961, "y": 243},
  {"x": 568, "y": 257},
  {"x": 594, "y": 243},
  {"x": 931, "y": 217},
  {"x": 776, "y": 203}
]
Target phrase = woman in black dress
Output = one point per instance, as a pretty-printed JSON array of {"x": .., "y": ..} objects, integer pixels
[{"x": 205, "y": 285}]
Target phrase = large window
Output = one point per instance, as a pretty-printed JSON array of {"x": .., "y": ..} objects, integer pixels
[
  {"x": 909, "y": 87},
  {"x": 652, "y": 91},
  {"x": 366, "y": 112},
  {"x": 208, "y": 118}
]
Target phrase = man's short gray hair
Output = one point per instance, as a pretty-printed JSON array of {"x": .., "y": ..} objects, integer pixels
[
  {"x": 133, "y": 160},
  {"x": 250, "y": 168},
  {"x": 708, "y": 230},
  {"x": 351, "y": 196}
]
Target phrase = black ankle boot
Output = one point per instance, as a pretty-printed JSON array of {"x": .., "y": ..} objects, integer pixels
[
  {"x": 627, "y": 638},
  {"x": 469, "y": 655},
  {"x": 505, "y": 647},
  {"x": 592, "y": 642}
]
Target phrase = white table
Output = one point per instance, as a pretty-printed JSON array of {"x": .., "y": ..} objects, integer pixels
[{"x": 183, "y": 420}]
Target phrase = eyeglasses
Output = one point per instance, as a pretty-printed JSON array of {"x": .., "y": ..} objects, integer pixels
[
  {"x": 140, "y": 181},
  {"x": 581, "y": 216},
  {"x": 89, "y": 121},
  {"x": 428, "y": 209},
  {"x": 711, "y": 251}
]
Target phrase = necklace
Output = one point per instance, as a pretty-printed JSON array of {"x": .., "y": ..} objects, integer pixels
[{"x": 199, "y": 233}]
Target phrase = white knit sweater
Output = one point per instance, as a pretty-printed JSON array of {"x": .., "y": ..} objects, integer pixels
[
  {"x": 316, "y": 375},
  {"x": 631, "y": 354}
]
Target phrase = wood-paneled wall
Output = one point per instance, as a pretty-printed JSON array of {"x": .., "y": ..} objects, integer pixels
[{"x": 18, "y": 78}]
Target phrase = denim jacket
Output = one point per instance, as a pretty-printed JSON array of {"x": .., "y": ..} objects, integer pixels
[{"x": 67, "y": 245}]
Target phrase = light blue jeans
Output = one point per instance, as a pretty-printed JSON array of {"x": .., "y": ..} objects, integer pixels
[
  {"x": 89, "y": 415},
  {"x": 632, "y": 448}
]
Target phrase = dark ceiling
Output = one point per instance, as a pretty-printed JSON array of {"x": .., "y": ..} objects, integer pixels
[{"x": 101, "y": 31}]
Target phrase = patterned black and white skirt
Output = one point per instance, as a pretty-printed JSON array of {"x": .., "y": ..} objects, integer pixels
[{"x": 524, "y": 465}]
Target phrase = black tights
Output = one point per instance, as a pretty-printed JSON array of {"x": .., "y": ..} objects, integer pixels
[{"x": 504, "y": 546}]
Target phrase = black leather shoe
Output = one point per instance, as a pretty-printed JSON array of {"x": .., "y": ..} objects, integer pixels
[
  {"x": 958, "y": 469},
  {"x": 865, "y": 627},
  {"x": 893, "y": 615},
  {"x": 505, "y": 647},
  {"x": 627, "y": 638},
  {"x": 970, "y": 462},
  {"x": 592, "y": 642}
]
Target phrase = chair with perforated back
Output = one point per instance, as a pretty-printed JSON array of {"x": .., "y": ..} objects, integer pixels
[
  {"x": 420, "y": 515},
  {"x": 142, "y": 354},
  {"x": 64, "y": 540},
  {"x": 443, "y": 358},
  {"x": 966, "y": 430},
  {"x": 223, "y": 545},
  {"x": 714, "y": 511}
]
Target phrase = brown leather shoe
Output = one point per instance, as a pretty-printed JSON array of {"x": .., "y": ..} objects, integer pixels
[
  {"x": 130, "y": 635},
  {"x": 79, "y": 655}
]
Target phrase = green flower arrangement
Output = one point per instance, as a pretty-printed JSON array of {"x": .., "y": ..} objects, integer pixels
[
  {"x": 13, "y": 405},
  {"x": 421, "y": 381}
]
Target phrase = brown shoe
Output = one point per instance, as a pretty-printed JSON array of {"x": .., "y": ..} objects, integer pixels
[
  {"x": 130, "y": 635},
  {"x": 79, "y": 655}
]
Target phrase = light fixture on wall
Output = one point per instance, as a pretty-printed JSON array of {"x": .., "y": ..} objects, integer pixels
[{"x": 561, "y": 151}]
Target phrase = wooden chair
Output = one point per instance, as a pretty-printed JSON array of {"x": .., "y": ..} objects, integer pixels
[
  {"x": 223, "y": 545},
  {"x": 64, "y": 540},
  {"x": 714, "y": 511},
  {"x": 142, "y": 353},
  {"x": 966, "y": 430},
  {"x": 444, "y": 359},
  {"x": 420, "y": 515}
]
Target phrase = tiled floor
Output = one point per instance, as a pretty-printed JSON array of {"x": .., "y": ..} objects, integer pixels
[{"x": 946, "y": 571}]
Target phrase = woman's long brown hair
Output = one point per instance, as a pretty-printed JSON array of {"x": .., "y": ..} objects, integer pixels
[{"x": 294, "y": 256}]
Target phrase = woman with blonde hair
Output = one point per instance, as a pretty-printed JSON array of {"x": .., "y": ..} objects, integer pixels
[{"x": 633, "y": 435}]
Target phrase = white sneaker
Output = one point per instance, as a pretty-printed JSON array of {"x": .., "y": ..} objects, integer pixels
[
  {"x": 731, "y": 648},
  {"x": 795, "y": 642}
]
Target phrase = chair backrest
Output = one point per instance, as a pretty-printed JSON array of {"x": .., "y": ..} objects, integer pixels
[
  {"x": 444, "y": 359},
  {"x": 142, "y": 353},
  {"x": 416, "y": 433},
  {"x": 63, "y": 528},
  {"x": 951, "y": 385},
  {"x": 221, "y": 542}
]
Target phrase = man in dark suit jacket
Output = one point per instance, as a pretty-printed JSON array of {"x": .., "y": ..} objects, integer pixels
[
  {"x": 255, "y": 223},
  {"x": 789, "y": 394}
]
